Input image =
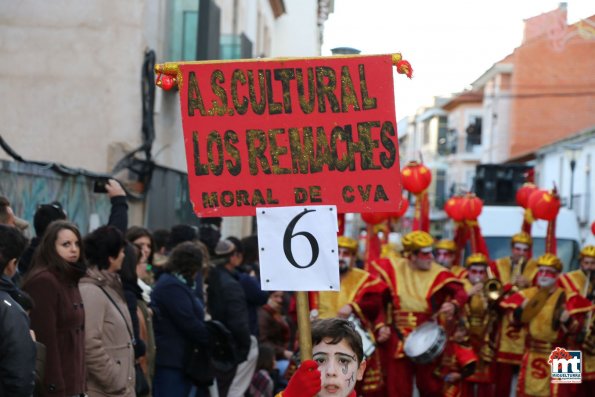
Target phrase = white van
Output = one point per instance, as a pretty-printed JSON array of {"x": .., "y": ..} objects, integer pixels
[{"x": 499, "y": 223}]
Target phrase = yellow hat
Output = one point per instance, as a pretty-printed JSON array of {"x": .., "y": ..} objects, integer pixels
[
  {"x": 588, "y": 250},
  {"x": 550, "y": 260},
  {"x": 476, "y": 259},
  {"x": 445, "y": 244},
  {"x": 417, "y": 240},
  {"x": 347, "y": 242},
  {"x": 522, "y": 238}
]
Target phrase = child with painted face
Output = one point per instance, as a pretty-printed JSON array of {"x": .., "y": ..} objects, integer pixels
[{"x": 338, "y": 362}]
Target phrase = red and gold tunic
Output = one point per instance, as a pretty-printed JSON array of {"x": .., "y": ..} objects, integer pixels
[
  {"x": 459, "y": 271},
  {"x": 365, "y": 294},
  {"x": 477, "y": 313},
  {"x": 574, "y": 283},
  {"x": 417, "y": 294},
  {"x": 511, "y": 338},
  {"x": 542, "y": 339},
  {"x": 454, "y": 358}
]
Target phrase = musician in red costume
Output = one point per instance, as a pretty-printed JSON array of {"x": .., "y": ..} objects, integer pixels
[
  {"x": 482, "y": 319},
  {"x": 516, "y": 272},
  {"x": 445, "y": 253},
  {"x": 582, "y": 282},
  {"x": 549, "y": 314},
  {"x": 420, "y": 289},
  {"x": 363, "y": 296}
]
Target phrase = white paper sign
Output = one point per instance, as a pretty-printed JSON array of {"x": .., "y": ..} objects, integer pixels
[{"x": 298, "y": 248}]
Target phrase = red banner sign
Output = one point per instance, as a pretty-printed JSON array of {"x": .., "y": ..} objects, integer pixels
[{"x": 291, "y": 132}]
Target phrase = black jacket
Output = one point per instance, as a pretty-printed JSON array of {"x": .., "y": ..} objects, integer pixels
[
  {"x": 227, "y": 304},
  {"x": 17, "y": 350}
]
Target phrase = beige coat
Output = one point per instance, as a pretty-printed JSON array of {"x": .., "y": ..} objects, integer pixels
[{"x": 109, "y": 353}]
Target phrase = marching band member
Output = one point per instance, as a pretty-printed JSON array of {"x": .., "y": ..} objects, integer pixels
[
  {"x": 420, "y": 290},
  {"x": 581, "y": 282},
  {"x": 548, "y": 313},
  {"x": 481, "y": 314},
  {"x": 457, "y": 363},
  {"x": 515, "y": 272},
  {"x": 361, "y": 295},
  {"x": 445, "y": 251}
]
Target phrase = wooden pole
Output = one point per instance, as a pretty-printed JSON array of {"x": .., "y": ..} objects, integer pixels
[{"x": 303, "y": 317}]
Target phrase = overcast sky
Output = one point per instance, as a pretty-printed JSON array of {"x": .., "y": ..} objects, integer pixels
[{"x": 449, "y": 43}]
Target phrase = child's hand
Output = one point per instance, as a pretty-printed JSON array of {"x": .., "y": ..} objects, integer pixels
[{"x": 305, "y": 382}]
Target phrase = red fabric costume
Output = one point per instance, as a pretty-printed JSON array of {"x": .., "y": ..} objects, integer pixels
[{"x": 416, "y": 295}]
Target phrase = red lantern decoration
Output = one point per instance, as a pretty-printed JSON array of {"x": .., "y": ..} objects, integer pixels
[
  {"x": 454, "y": 208},
  {"x": 403, "y": 206},
  {"x": 416, "y": 177},
  {"x": 374, "y": 218},
  {"x": 472, "y": 206},
  {"x": 593, "y": 228},
  {"x": 522, "y": 195},
  {"x": 544, "y": 205}
]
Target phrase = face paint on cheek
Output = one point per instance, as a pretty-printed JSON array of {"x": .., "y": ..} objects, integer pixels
[{"x": 350, "y": 379}]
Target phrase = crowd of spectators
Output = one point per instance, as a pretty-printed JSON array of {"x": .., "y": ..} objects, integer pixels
[{"x": 126, "y": 311}]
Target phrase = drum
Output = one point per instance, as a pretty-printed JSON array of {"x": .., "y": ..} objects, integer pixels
[
  {"x": 425, "y": 343},
  {"x": 367, "y": 339}
]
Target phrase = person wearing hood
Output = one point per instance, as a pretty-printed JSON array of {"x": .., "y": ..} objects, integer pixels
[
  {"x": 17, "y": 349},
  {"x": 109, "y": 340}
]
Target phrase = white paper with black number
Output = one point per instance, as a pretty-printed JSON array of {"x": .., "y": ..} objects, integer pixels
[{"x": 298, "y": 248}]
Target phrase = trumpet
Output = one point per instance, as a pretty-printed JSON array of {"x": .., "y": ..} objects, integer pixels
[
  {"x": 492, "y": 289},
  {"x": 516, "y": 272}
]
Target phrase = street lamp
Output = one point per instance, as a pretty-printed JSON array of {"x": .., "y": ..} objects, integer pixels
[{"x": 570, "y": 152}]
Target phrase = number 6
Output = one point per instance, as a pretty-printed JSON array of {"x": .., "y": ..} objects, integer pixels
[{"x": 289, "y": 235}]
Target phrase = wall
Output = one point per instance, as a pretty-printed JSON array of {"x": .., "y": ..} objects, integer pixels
[
  {"x": 553, "y": 79},
  {"x": 296, "y": 32},
  {"x": 73, "y": 71}
]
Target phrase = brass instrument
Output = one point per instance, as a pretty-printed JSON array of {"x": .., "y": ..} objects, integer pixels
[
  {"x": 493, "y": 291},
  {"x": 516, "y": 272}
]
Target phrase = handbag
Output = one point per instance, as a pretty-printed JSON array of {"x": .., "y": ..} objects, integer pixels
[
  {"x": 199, "y": 368},
  {"x": 141, "y": 385}
]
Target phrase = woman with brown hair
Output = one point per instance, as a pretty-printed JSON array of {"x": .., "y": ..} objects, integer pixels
[
  {"x": 58, "y": 317},
  {"x": 109, "y": 337}
]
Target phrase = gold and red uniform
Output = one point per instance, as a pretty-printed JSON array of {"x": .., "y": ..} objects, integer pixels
[
  {"x": 511, "y": 341},
  {"x": 455, "y": 358},
  {"x": 459, "y": 272},
  {"x": 416, "y": 295},
  {"x": 574, "y": 283},
  {"x": 477, "y": 313},
  {"x": 543, "y": 338},
  {"x": 365, "y": 294}
]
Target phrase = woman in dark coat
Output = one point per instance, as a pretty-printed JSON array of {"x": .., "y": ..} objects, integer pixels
[
  {"x": 179, "y": 322},
  {"x": 58, "y": 317}
]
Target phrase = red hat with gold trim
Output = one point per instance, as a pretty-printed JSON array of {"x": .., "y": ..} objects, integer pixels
[{"x": 550, "y": 260}]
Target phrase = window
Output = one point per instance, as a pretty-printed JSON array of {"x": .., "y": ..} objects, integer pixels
[
  {"x": 440, "y": 189},
  {"x": 184, "y": 29}
]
